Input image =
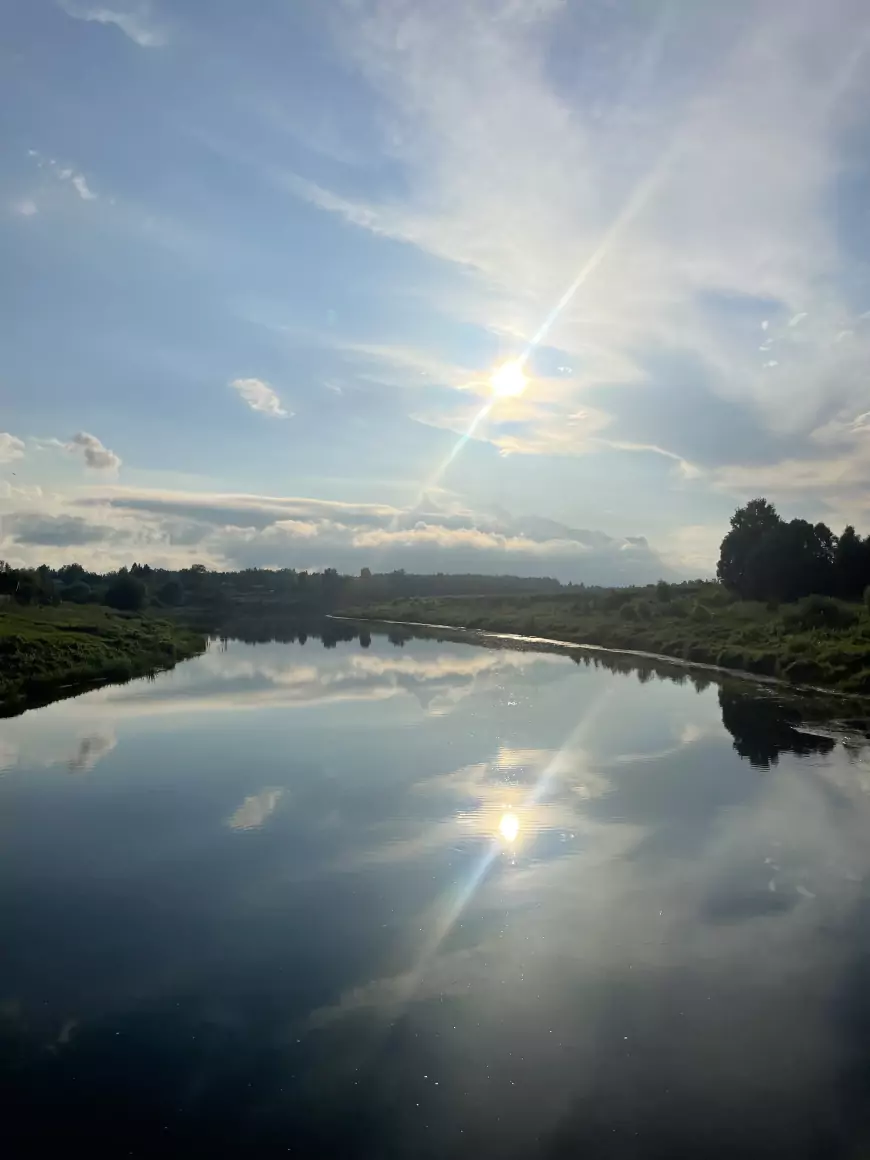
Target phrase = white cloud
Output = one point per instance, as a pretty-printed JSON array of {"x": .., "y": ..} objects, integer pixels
[
  {"x": 134, "y": 20},
  {"x": 11, "y": 447},
  {"x": 25, "y": 208},
  {"x": 96, "y": 456},
  {"x": 260, "y": 397},
  {"x": 694, "y": 549},
  {"x": 65, "y": 174},
  {"x": 81, "y": 187}
]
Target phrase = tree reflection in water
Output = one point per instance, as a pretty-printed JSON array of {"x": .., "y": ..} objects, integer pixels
[{"x": 764, "y": 723}]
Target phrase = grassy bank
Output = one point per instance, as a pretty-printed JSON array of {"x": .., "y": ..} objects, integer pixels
[
  {"x": 817, "y": 641},
  {"x": 48, "y": 652}
]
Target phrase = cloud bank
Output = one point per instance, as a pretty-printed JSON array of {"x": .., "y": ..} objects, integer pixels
[{"x": 114, "y": 525}]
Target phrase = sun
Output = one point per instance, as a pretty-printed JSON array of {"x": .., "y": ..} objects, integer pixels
[
  {"x": 509, "y": 827},
  {"x": 508, "y": 380}
]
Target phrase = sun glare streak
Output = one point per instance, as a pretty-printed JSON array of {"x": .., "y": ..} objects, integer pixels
[
  {"x": 451, "y": 907},
  {"x": 433, "y": 479},
  {"x": 629, "y": 212},
  {"x": 509, "y": 380},
  {"x": 508, "y": 831}
]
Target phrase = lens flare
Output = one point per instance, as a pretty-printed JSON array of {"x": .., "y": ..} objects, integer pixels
[
  {"x": 509, "y": 827},
  {"x": 509, "y": 380}
]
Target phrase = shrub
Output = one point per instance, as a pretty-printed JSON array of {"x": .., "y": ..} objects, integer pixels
[
  {"x": 716, "y": 595},
  {"x": 77, "y": 593},
  {"x": 616, "y": 598},
  {"x": 663, "y": 591},
  {"x": 820, "y": 612}
]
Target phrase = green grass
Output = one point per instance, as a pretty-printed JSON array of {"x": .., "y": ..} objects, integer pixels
[
  {"x": 50, "y": 652},
  {"x": 814, "y": 642}
]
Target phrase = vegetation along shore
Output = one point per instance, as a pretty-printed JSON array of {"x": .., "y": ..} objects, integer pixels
[
  {"x": 47, "y": 652},
  {"x": 792, "y": 601}
]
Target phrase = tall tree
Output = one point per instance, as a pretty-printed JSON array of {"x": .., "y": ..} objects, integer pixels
[
  {"x": 749, "y": 526},
  {"x": 851, "y": 565}
]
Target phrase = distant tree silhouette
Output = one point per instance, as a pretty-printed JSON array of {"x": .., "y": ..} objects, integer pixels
[
  {"x": 171, "y": 593},
  {"x": 851, "y": 565},
  {"x": 77, "y": 593},
  {"x": 127, "y": 593}
]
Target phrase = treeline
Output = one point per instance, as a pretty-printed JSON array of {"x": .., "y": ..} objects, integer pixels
[
  {"x": 763, "y": 557},
  {"x": 258, "y": 589}
]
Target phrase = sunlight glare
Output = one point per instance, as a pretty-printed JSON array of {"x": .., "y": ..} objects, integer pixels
[
  {"x": 509, "y": 380},
  {"x": 509, "y": 827}
]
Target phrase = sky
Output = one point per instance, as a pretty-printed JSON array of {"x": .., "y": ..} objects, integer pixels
[{"x": 262, "y": 260}]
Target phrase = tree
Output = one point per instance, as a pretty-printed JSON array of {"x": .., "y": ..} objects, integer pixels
[
  {"x": 9, "y": 579},
  {"x": 330, "y": 582},
  {"x": 789, "y": 561},
  {"x": 851, "y": 565},
  {"x": 764, "y": 558},
  {"x": 26, "y": 589},
  {"x": 738, "y": 566},
  {"x": 171, "y": 594},
  {"x": 77, "y": 593},
  {"x": 71, "y": 573},
  {"x": 126, "y": 593}
]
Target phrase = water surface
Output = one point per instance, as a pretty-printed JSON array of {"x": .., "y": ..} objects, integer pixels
[{"x": 421, "y": 898}]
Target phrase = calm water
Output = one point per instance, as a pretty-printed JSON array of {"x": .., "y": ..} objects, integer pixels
[{"x": 432, "y": 900}]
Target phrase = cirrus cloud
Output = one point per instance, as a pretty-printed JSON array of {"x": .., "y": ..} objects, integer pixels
[
  {"x": 134, "y": 20},
  {"x": 685, "y": 199}
]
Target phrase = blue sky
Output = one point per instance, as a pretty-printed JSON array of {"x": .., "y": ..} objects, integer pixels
[{"x": 261, "y": 260}]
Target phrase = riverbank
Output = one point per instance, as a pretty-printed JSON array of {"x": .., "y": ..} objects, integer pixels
[
  {"x": 46, "y": 653},
  {"x": 817, "y": 641}
]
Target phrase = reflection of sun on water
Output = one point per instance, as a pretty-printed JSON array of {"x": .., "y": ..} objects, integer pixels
[
  {"x": 509, "y": 380},
  {"x": 509, "y": 827}
]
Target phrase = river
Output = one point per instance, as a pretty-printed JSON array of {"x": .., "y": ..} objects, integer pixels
[{"x": 409, "y": 897}]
